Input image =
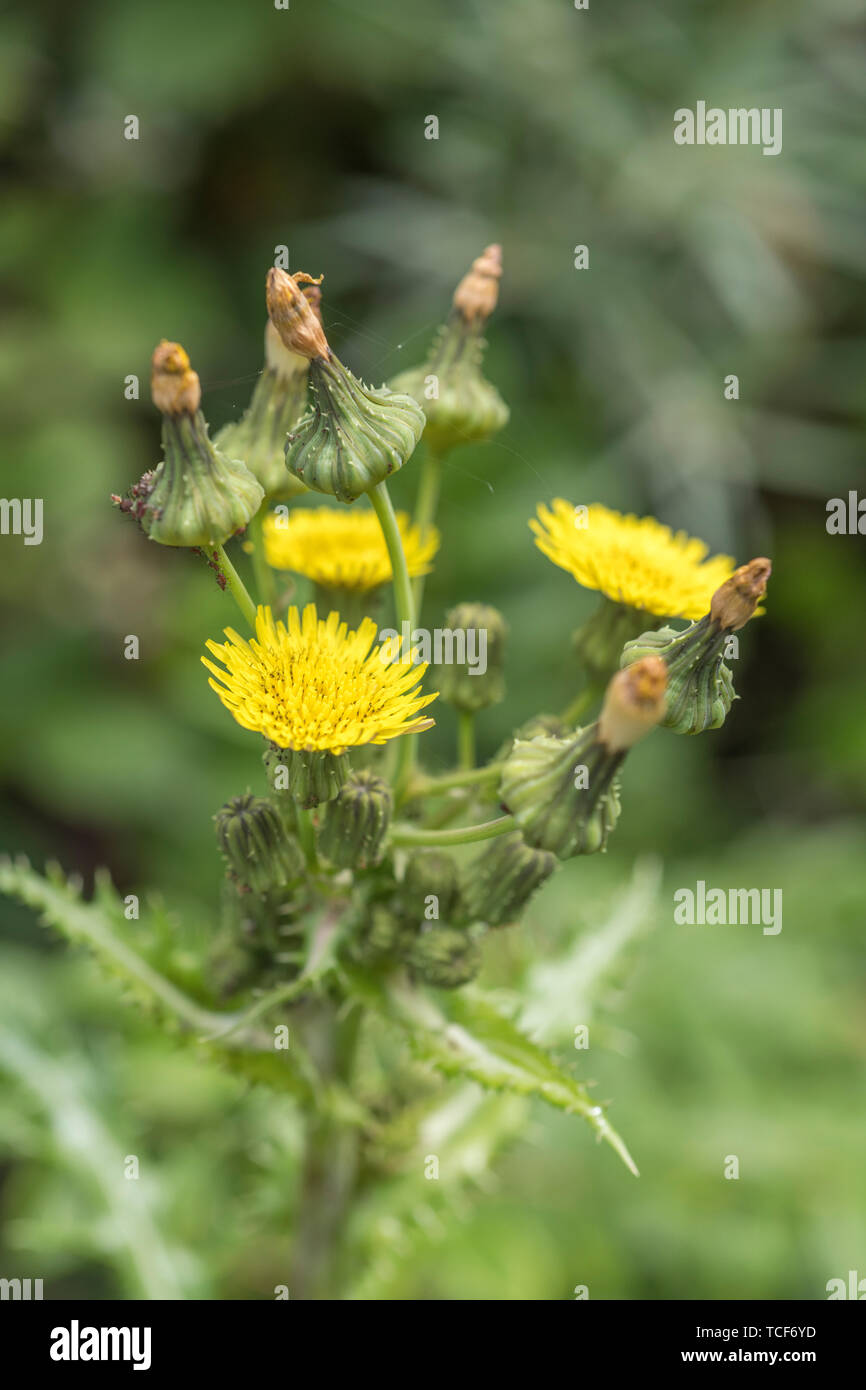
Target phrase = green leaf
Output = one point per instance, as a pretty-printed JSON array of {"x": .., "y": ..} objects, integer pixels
[{"x": 471, "y": 1038}]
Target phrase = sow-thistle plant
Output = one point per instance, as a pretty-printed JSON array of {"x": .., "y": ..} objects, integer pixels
[{"x": 357, "y": 889}]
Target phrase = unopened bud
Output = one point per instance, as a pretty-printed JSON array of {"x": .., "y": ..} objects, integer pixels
[
  {"x": 444, "y": 957},
  {"x": 477, "y": 680},
  {"x": 735, "y": 602},
  {"x": 634, "y": 704},
  {"x": 355, "y": 823},
  {"x": 430, "y": 874},
  {"x": 500, "y": 882},
  {"x": 478, "y": 292},
  {"x": 259, "y": 853},
  {"x": 292, "y": 314}
]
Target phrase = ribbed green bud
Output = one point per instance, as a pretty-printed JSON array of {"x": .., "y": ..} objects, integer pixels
[
  {"x": 196, "y": 496},
  {"x": 355, "y": 823},
  {"x": 444, "y": 957},
  {"x": 353, "y": 437},
  {"x": 541, "y": 724},
  {"x": 430, "y": 873},
  {"x": 563, "y": 792},
  {"x": 259, "y": 853},
  {"x": 380, "y": 934},
  {"x": 700, "y": 689},
  {"x": 309, "y": 776},
  {"x": 478, "y": 680},
  {"x": 459, "y": 402},
  {"x": 599, "y": 642},
  {"x": 500, "y": 881},
  {"x": 278, "y": 402}
]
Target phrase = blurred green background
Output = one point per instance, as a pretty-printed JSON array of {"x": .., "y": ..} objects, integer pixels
[{"x": 305, "y": 128}]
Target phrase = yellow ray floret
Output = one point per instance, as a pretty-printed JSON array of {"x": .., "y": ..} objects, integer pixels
[
  {"x": 632, "y": 560},
  {"x": 315, "y": 685},
  {"x": 344, "y": 550}
]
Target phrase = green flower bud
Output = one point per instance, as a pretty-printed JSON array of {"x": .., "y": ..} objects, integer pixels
[
  {"x": 354, "y": 436},
  {"x": 500, "y": 881},
  {"x": 355, "y": 823},
  {"x": 541, "y": 724},
  {"x": 278, "y": 402},
  {"x": 379, "y": 934},
  {"x": 478, "y": 680},
  {"x": 196, "y": 496},
  {"x": 700, "y": 689},
  {"x": 444, "y": 957},
  {"x": 259, "y": 853},
  {"x": 563, "y": 792},
  {"x": 430, "y": 873},
  {"x": 309, "y": 776},
  {"x": 599, "y": 642},
  {"x": 460, "y": 404}
]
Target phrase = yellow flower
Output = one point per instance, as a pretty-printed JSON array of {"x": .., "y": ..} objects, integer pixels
[
  {"x": 632, "y": 560},
  {"x": 315, "y": 686},
  {"x": 343, "y": 550}
]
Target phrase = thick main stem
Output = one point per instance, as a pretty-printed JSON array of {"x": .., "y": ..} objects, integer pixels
[
  {"x": 405, "y": 608},
  {"x": 465, "y": 740}
]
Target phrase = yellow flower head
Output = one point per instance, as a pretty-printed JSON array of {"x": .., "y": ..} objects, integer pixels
[
  {"x": 314, "y": 685},
  {"x": 632, "y": 560},
  {"x": 343, "y": 550}
]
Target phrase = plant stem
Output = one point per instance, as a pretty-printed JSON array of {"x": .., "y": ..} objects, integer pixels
[
  {"x": 426, "y": 505},
  {"x": 579, "y": 704},
  {"x": 432, "y": 786},
  {"x": 307, "y": 836},
  {"x": 405, "y": 610},
  {"x": 460, "y": 835},
  {"x": 237, "y": 587},
  {"x": 262, "y": 570},
  {"x": 465, "y": 740}
]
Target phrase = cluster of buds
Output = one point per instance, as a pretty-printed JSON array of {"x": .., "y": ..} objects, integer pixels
[
  {"x": 700, "y": 690},
  {"x": 461, "y": 406}
]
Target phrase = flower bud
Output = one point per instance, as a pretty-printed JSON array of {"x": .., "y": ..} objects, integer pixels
[
  {"x": 196, "y": 496},
  {"x": 599, "y": 642},
  {"x": 278, "y": 402},
  {"x": 734, "y": 603},
  {"x": 460, "y": 404},
  {"x": 563, "y": 792},
  {"x": 478, "y": 680},
  {"x": 634, "y": 704},
  {"x": 259, "y": 853},
  {"x": 378, "y": 935},
  {"x": 355, "y": 823},
  {"x": 544, "y": 724},
  {"x": 293, "y": 315},
  {"x": 500, "y": 881},
  {"x": 310, "y": 775},
  {"x": 430, "y": 874},
  {"x": 444, "y": 957},
  {"x": 700, "y": 689},
  {"x": 353, "y": 437}
]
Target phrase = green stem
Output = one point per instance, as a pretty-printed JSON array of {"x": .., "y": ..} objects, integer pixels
[
  {"x": 580, "y": 704},
  {"x": 405, "y": 611},
  {"x": 466, "y": 740},
  {"x": 432, "y": 786},
  {"x": 264, "y": 574},
  {"x": 426, "y": 505},
  {"x": 307, "y": 837},
  {"x": 460, "y": 835},
  {"x": 237, "y": 587}
]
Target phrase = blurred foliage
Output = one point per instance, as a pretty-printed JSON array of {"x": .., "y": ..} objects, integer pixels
[{"x": 306, "y": 128}]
